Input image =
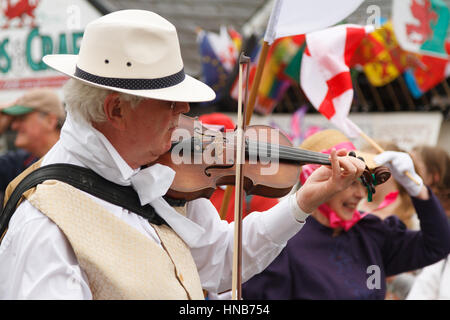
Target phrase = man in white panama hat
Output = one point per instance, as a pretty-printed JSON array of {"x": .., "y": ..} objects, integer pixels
[{"x": 123, "y": 103}]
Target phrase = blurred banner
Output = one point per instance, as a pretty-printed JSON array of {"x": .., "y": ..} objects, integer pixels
[{"x": 31, "y": 29}]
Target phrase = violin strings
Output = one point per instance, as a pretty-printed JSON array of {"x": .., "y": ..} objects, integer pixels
[
  {"x": 290, "y": 153},
  {"x": 286, "y": 153},
  {"x": 291, "y": 157},
  {"x": 263, "y": 149}
]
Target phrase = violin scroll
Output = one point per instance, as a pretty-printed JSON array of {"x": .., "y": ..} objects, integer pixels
[
  {"x": 382, "y": 174},
  {"x": 371, "y": 178}
]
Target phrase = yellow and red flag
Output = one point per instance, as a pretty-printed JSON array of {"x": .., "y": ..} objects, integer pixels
[{"x": 381, "y": 57}]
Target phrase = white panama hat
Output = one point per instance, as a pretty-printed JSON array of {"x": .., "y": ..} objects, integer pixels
[{"x": 135, "y": 52}]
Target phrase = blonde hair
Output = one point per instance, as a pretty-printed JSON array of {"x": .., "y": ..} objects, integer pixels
[{"x": 85, "y": 101}]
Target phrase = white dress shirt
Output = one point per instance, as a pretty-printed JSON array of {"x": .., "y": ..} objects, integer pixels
[{"x": 37, "y": 261}]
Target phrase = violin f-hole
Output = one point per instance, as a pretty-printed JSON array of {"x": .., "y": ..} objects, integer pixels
[{"x": 217, "y": 166}]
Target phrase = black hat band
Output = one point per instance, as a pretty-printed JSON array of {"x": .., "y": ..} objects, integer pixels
[{"x": 133, "y": 84}]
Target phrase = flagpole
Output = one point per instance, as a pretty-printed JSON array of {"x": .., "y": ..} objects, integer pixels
[
  {"x": 251, "y": 105},
  {"x": 269, "y": 37},
  {"x": 257, "y": 81},
  {"x": 254, "y": 90}
]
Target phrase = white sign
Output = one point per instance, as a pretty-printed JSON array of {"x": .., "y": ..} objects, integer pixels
[
  {"x": 406, "y": 129},
  {"x": 31, "y": 29}
]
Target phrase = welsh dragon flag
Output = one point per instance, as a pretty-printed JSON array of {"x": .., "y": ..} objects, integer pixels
[
  {"x": 325, "y": 73},
  {"x": 421, "y": 25}
]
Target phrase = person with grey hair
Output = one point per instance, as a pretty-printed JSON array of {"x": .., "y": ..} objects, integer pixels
[
  {"x": 36, "y": 117},
  {"x": 123, "y": 104}
]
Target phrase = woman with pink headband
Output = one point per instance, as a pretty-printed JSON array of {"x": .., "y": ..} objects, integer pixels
[{"x": 343, "y": 253}]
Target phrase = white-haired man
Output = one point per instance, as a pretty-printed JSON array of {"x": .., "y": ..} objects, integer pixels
[{"x": 125, "y": 100}]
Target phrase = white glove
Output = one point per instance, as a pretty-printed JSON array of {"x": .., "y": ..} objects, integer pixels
[{"x": 399, "y": 163}]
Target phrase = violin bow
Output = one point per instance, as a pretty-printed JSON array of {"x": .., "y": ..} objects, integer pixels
[
  {"x": 249, "y": 112},
  {"x": 236, "y": 285}
]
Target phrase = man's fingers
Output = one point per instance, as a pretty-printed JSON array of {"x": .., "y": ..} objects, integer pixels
[
  {"x": 358, "y": 164},
  {"x": 350, "y": 165},
  {"x": 347, "y": 166},
  {"x": 341, "y": 152},
  {"x": 335, "y": 167}
]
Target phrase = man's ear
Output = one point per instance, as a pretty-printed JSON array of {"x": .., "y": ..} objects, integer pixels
[
  {"x": 114, "y": 110},
  {"x": 52, "y": 121}
]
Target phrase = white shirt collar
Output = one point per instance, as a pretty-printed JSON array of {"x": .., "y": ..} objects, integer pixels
[{"x": 95, "y": 151}]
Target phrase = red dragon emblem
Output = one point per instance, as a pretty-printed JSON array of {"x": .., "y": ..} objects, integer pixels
[
  {"x": 422, "y": 12},
  {"x": 20, "y": 9}
]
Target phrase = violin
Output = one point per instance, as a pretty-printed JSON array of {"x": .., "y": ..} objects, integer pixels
[{"x": 204, "y": 159}]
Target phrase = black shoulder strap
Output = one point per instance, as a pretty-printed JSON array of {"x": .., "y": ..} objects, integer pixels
[{"x": 85, "y": 180}]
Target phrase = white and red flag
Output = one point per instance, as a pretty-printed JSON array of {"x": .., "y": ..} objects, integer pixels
[{"x": 325, "y": 73}]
